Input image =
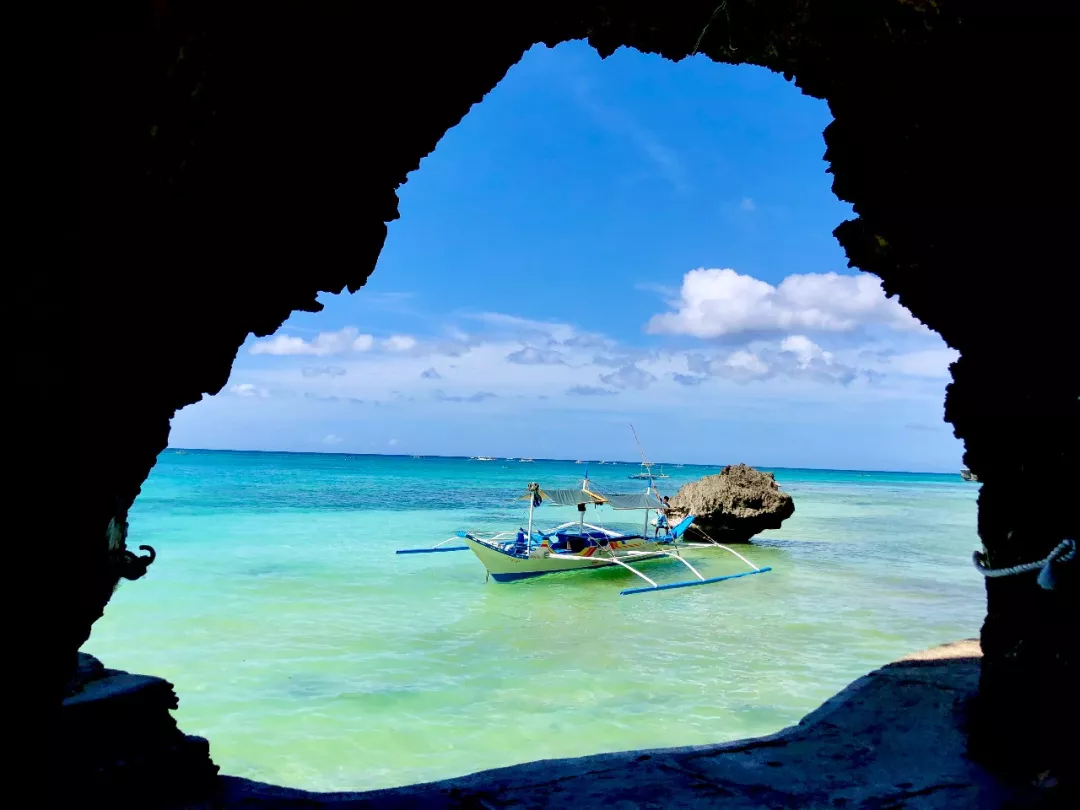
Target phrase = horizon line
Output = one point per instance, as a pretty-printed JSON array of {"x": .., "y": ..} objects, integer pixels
[{"x": 566, "y": 460}]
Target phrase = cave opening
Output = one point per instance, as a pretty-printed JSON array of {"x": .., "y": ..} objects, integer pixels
[
  {"x": 214, "y": 145},
  {"x": 281, "y": 663}
]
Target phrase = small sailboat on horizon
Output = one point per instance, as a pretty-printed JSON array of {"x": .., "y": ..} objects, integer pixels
[{"x": 647, "y": 473}]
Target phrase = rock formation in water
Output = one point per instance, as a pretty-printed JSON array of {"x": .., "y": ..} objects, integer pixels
[{"x": 735, "y": 505}]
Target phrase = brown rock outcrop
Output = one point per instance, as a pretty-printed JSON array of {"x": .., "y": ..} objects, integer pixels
[{"x": 735, "y": 505}]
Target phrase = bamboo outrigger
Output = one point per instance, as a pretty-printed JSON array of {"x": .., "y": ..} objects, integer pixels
[{"x": 581, "y": 546}]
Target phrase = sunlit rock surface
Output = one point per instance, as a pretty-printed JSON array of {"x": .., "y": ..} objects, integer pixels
[{"x": 735, "y": 505}]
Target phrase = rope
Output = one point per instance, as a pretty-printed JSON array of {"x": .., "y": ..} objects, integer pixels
[{"x": 1063, "y": 552}]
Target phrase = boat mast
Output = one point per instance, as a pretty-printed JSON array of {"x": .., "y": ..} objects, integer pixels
[
  {"x": 533, "y": 489},
  {"x": 648, "y": 469},
  {"x": 581, "y": 506}
]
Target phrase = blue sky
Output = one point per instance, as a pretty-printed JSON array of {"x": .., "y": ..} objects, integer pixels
[{"x": 600, "y": 242}]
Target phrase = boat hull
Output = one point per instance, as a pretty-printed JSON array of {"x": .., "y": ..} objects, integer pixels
[{"x": 505, "y": 567}]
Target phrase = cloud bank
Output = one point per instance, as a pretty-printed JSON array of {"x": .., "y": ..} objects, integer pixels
[
  {"x": 719, "y": 303},
  {"x": 804, "y": 336}
]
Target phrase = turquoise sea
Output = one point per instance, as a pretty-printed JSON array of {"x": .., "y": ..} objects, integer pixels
[{"x": 311, "y": 655}]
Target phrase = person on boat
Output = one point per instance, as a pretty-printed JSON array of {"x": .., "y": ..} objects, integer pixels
[{"x": 661, "y": 518}]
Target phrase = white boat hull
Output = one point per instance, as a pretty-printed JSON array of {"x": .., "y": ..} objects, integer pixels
[{"x": 505, "y": 567}]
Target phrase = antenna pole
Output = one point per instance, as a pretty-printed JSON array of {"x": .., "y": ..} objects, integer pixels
[
  {"x": 648, "y": 467},
  {"x": 639, "y": 447},
  {"x": 533, "y": 490}
]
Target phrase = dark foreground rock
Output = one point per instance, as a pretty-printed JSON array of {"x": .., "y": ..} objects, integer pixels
[
  {"x": 892, "y": 739},
  {"x": 118, "y": 745},
  {"x": 735, "y": 505}
]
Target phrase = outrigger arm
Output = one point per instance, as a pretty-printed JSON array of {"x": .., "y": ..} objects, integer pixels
[
  {"x": 435, "y": 548},
  {"x": 633, "y": 570},
  {"x": 691, "y": 583}
]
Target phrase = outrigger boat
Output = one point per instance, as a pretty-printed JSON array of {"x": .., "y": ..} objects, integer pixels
[
  {"x": 647, "y": 473},
  {"x": 581, "y": 546}
]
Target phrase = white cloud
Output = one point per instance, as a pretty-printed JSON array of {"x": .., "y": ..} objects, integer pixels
[
  {"x": 526, "y": 327},
  {"x": 932, "y": 363},
  {"x": 479, "y": 396},
  {"x": 740, "y": 366},
  {"x": 688, "y": 379},
  {"x": 617, "y": 359},
  {"x": 399, "y": 343},
  {"x": 388, "y": 301},
  {"x": 813, "y": 362},
  {"x": 249, "y": 390},
  {"x": 531, "y": 356},
  {"x": 660, "y": 289},
  {"x": 716, "y": 303},
  {"x": 590, "y": 391},
  {"x": 666, "y": 161},
  {"x": 744, "y": 362},
  {"x": 794, "y": 357},
  {"x": 332, "y": 439},
  {"x": 629, "y": 376},
  {"x": 547, "y": 362},
  {"x": 326, "y": 371},
  {"x": 804, "y": 349},
  {"x": 323, "y": 345}
]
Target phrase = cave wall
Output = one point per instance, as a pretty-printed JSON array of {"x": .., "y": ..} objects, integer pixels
[{"x": 238, "y": 158}]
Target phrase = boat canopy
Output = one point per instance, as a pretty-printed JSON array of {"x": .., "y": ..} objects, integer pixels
[
  {"x": 575, "y": 497},
  {"x": 638, "y": 500},
  {"x": 571, "y": 497}
]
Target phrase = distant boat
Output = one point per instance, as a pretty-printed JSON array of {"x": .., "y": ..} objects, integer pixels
[
  {"x": 647, "y": 473},
  {"x": 481, "y": 458},
  {"x": 524, "y": 460},
  {"x": 579, "y": 461},
  {"x": 180, "y": 452},
  {"x": 968, "y": 475}
]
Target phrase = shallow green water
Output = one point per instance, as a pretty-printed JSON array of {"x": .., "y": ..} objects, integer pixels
[{"x": 311, "y": 655}]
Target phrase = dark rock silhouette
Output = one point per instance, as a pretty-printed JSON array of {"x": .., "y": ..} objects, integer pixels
[
  {"x": 735, "y": 505},
  {"x": 235, "y": 159},
  {"x": 122, "y": 747}
]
